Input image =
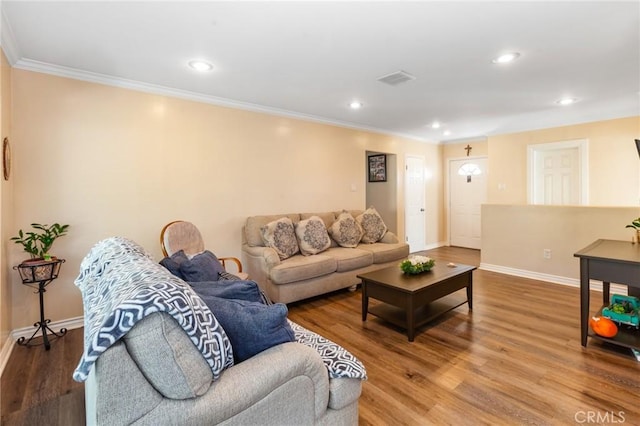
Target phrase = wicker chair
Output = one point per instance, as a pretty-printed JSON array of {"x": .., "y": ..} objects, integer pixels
[{"x": 180, "y": 235}]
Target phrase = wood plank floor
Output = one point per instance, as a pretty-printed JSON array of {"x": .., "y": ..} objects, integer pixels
[{"x": 516, "y": 359}]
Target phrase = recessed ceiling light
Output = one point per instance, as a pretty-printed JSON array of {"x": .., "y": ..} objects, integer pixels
[
  {"x": 355, "y": 105},
  {"x": 506, "y": 58},
  {"x": 201, "y": 66},
  {"x": 566, "y": 101},
  {"x": 447, "y": 133},
  {"x": 435, "y": 125}
]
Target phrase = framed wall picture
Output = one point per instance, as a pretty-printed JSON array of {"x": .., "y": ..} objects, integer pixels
[{"x": 378, "y": 168}]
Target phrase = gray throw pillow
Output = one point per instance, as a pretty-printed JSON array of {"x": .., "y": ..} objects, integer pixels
[
  {"x": 280, "y": 236},
  {"x": 372, "y": 225},
  {"x": 243, "y": 290},
  {"x": 345, "y": 230},
  {"x": 172, "y": 263},
  {"x": 312, "y": 236},
  {"x": 201, "y": 267}
]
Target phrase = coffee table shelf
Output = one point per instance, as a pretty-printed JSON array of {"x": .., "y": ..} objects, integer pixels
[
  {"x": 423, "y": 314},
  {"x": 410, "y": 301}
]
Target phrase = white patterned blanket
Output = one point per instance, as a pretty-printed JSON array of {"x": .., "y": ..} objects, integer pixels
[
  {"x": 121, "y": 284},
  {"x": 339, "y": 361}
]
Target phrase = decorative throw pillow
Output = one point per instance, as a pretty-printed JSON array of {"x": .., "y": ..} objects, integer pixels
[
  {"x": 201, "y": 267},
  {"x": 251, "y": 327},
  {"x": 242, "y": 290},
  {"x": 280, "y": 236},
  {"x": 372, "y": 225},
  {"x": 312, "y": 236},
  {"x": 345, "y": 230},
  {"x": 173, "y": 262}
]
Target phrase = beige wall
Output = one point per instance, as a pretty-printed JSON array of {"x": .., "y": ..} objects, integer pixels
[
  {"x": 6, "y": 203},
  {"x": 514, "y": 236},
  {"x": 614, "y": 169},
  {"x": 111, "y": 161}
]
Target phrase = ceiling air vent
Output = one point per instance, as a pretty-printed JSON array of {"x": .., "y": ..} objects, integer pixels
[{"x": 396, "y": 78}]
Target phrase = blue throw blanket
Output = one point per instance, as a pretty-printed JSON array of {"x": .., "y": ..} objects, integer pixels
[{"x": 121, "y": 284}]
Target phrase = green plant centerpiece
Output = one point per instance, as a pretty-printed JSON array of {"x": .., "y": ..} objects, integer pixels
[
  {"x": 417, "y": 264},
  {"x": 38, "y": 243}
]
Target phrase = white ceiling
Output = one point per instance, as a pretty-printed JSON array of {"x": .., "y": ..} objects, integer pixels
[{"x": 310, "y": 59}]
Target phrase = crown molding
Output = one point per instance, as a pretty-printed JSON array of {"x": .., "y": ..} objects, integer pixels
[{"x": 92, "y": 77}]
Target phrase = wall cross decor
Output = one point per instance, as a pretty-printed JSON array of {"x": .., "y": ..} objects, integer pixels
[{"x": 468, "y": 148}]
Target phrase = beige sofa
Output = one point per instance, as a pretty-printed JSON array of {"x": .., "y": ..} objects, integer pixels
[{"x": 300, "y": 277}]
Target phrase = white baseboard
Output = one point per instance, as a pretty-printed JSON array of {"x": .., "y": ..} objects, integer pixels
[
  {"x": 556, "y": 279},
  {"x": 431, "y": 246},
  {"x": 436, "y": 245},
  {"x": 26, "y": 332},
  {"x": 69, "y": 324}
]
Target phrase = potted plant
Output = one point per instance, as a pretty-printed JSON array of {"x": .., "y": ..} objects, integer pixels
[
  {"x": 41, "y": 265},
  {"x": 635, "y": 224}
]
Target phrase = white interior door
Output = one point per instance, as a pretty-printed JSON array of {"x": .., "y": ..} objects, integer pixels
[
  {"x": 414, "y": 204},
  {"x": 557, "y": 177},
  {"x": 467, "y": 193},
  {"x": 558, "y": 173}
]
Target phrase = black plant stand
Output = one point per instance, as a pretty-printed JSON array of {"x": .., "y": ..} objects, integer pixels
[{"x": 43, "y": 273}]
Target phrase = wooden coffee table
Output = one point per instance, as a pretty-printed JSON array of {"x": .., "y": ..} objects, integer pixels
[{"x": 413, "y": 300}]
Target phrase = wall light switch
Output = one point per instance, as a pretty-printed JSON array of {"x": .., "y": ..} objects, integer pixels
[{"x": 354, "y": 188}]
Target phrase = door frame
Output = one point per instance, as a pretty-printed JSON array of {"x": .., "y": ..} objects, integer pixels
[
  {"x": 583, "y": 156},
  {"x": 424, "y": 201},
  {"x": 447, "y": 195}
]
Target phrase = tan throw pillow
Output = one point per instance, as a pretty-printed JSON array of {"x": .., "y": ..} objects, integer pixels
[
  {"x": 346, "y": 231},
  {"x": 280, "y": 236},
  {"x": 372, "y": 225},
  {"x": 312, "y": 236}
]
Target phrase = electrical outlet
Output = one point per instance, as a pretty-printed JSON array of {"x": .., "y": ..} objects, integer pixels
[{"x": 546, "y": 253}]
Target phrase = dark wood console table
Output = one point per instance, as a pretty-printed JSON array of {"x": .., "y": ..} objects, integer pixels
[{"x": 609, "y": 261}]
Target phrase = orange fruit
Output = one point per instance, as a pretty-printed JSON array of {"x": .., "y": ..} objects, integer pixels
[{"x": 603, "y": 326}]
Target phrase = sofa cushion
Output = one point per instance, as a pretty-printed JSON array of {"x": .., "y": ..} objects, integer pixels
[
  {"x": 348, "y": 259},
  {"x": 252, "y": 233},
  {"x": 346, "y": 231},
  {"x": 280, "y": 236},
  {"x": 327, "y": 217},
  {"x": 383, "y": 253},
  {"x": 174, "y": 367},
  {"x": 312, "y": 236},
  {"x": 343, "y": 392},
  {"x": 251, "y": 327},
  {"x": 298, "y": 268},
  {"x": 372, "y": 225},
  {"x": 204, "y": 266}
]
